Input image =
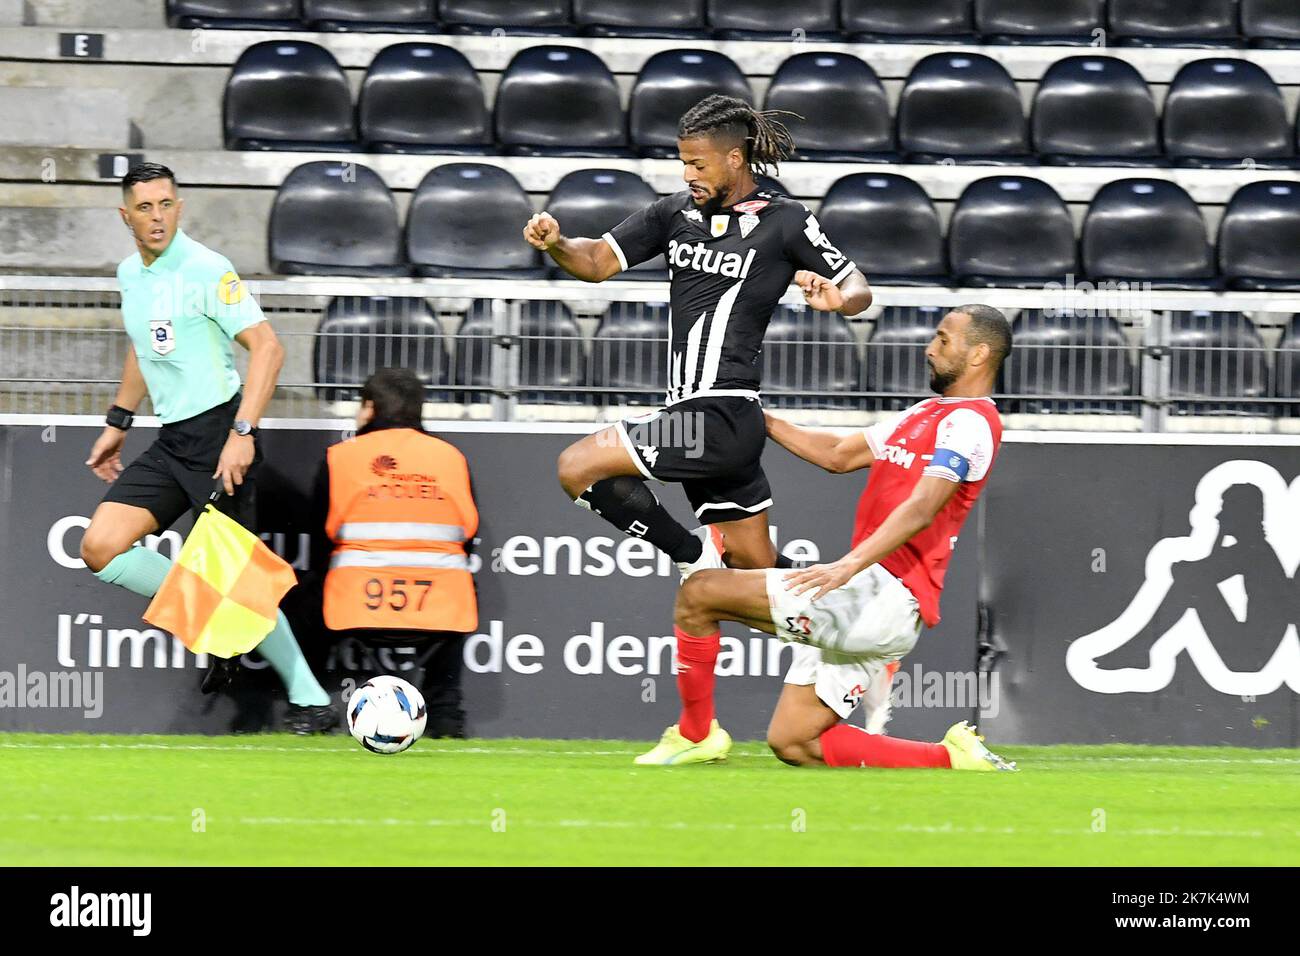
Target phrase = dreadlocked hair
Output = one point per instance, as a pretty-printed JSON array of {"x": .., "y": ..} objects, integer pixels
[{"x": 766, "y": 139}]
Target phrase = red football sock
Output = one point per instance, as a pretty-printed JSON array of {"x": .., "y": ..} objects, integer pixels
[
  {"x": 847, "y": 746},
  {"x": 696, "y": 657}
]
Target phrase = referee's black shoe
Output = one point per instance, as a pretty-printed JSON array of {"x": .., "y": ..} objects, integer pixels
[
  {"x": 221, "y": 674},
  {"x": 311, "y": 719}
]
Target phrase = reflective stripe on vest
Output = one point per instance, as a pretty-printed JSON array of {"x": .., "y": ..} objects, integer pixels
[
  {"x": 399, "y": 531},
  {"x": 398, "y": 559}
]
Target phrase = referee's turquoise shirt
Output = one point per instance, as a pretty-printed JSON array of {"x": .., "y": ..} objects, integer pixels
[{"x": 181, "y": 313}]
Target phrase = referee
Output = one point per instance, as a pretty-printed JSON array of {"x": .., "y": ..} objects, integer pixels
[{"x": 182, "y": 303}]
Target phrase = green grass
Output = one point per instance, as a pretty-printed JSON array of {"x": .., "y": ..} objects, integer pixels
[{"x": 88, "y": 800}]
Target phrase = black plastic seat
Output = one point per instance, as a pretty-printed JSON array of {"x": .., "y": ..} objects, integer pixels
[
  {"x": 1219, "y": 112},
  {"x": 1287, "y": 369},
  {"x": 1271, "y": 24},
  {"x": 1150, "y": 231},
  {"x": 888, "y": 226},
  {"x": 423, "y": 97},
  {"x": 370, "y": 16},
  {"x": 1059, "y": 23},
  {"x": 590, "y": 202},
  {"x": 549, "y": 353},
  {"x": 1180, "y": 23},
  {"x": 286, "y": 94},
  {"x": 1217, "y": 365},
  {"x": 476, "y": 346},
  {"x": 360, "y": 334},
  {"x": 1095, "y": 110},
  {"x": 1011, "y": 231},
  {"x": 540, "y": 18},
  {"x": 810, "y": 359},
  {"x": 768, "y": 19},
  {"x": 895, "y": 356},
  {"x": 669, "y": 84},
  {"x": 667, "y": 19},
  {"x": 234, "y": 14},
  {"x": 335, "y": 219},
  {"x": 843, "y": 104},
  {"x": 559, "y": 101},
  {"x": 963, "y": 106},
  {"x": 1259, "y": 238},
  {"x": 467, "y": 219},
  {"x": 908, "y": 21},
  {"x": 630, "y": 351},
  {"x": 1065, "y": 363}
]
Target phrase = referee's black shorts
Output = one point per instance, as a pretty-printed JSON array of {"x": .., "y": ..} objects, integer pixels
[{"x": 174, "y": 474}]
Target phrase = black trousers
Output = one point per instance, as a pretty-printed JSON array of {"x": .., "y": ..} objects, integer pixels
[{"x": 438, "y": 659}]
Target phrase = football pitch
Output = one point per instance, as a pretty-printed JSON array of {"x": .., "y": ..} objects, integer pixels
[{"x": 82, "y": 800}]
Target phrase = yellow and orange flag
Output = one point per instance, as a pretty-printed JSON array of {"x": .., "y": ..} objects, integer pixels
[{"x": 223, "y": 591}]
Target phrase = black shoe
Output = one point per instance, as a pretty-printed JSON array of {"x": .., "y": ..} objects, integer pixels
[
  {"x": 220, "y": 674},
  {"x": 445, "y": 726},
  {"x": 311, "y": 719}
]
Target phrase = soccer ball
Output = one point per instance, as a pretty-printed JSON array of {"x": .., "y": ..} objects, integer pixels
[{"x": 386, "y": 715}]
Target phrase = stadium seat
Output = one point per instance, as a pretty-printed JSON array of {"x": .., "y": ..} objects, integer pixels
[
  {"x": 844, "y": 108},
  {"x": 234, "y": 14},
  {"x": 667, "y": 19},
  {"x": 963, "y": 106},
  {"x": 908, "y": 21},
  {"x": 466, "y": 220},
  {"x": 372, "y": 16},
  {"x": 1068, "y": 364},
  {"x": 781, "y": 19},
  {"x": 1059, "y": 23},
  {"x": 551, "y": 353},
  {"x": 1095, "y": 110},
  {"x": 1217, "y": 364},
  {"x": 888, "y": 226},
  {"x": 1287, "y": 375},
  {"x": 335, "y": 219},
  {"x": 476, "y": 341},
  {"x": 1219, "y": 112},
  {"x": 895, "y": 361},
  {"x": 1011, "y": 231},
  {"x": 808, "y": 351},
  {"x": 513, "y": 17},
  {"x": 559, "y": 101},
  {"x": 360, "y": 334},
  {"x": 590, "y": 202},
  {"x": 1184, "y": 23},
  {"x": 669, "y": 84},
  {"x": 1150, "y": 231},
  {"x": 630, "y": 350},
  {"x": 1259, "y": 238},
  {"x": 423, "y": 97},
  {"x": 285, "y": 94},
  {"x": 1271, "y": 23}
]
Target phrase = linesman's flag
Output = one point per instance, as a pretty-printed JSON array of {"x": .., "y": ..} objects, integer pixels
[{"x": 223, "y": 592}]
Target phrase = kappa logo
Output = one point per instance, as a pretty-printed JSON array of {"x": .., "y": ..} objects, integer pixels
[
  {"x": 1228, "y": 584},
  {"x": 694, "y": 215},
  {"x": 382, "y": 465},
  {"x": 650, "y": 453}
]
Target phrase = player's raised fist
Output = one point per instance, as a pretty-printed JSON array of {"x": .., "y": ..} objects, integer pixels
[
  {"x": 819, "y": 292},
  {"x": 542, "y": 231}
]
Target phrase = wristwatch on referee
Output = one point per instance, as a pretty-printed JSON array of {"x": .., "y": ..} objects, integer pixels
[
  {"x": 119, "y": 417},
  {"x": 243, "y": 428}
]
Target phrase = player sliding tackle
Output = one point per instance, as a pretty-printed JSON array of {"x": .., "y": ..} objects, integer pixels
[{"x": 855, "y": 618}]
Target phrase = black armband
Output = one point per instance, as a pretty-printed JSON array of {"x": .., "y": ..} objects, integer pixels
[{"x": 119, "y": 417}]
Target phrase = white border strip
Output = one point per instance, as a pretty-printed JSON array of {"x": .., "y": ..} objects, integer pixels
[{"x": 584, "y": 428}]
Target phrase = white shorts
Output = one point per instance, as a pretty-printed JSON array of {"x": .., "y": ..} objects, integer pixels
[{"x": 850, "y": 640}]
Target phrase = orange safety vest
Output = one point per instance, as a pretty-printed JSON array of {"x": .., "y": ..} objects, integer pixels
[{"x": 400, "y": 513}]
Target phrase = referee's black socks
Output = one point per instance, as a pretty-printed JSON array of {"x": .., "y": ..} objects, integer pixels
[{"x": 627, "y": 504}]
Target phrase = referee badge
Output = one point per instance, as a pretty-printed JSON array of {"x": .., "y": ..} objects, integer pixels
[
  {"x": 718, "y": 225},
  {"x": 162, "y": 336},
  {"x": 229, "y": 289}
]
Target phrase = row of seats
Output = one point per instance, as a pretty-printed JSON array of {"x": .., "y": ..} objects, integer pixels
[
  {"x": 466, "y": 219},
  {"x": 1127, "y": 22},
  {"x": 563, "y": 101},
  {"x": 1061, "y": 362}
]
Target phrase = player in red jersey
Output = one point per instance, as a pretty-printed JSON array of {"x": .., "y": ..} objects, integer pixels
[{"x": 854, "y": 619}]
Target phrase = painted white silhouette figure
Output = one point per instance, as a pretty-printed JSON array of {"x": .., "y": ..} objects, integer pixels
[{"x": 1250, "y": 564}]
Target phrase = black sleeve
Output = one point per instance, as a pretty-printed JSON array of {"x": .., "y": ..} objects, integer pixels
[
  {"x": 807, "y": 247},
  {"x": 642, "y": 235}
]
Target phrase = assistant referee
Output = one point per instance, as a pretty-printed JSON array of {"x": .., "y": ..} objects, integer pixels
[{"x": 182, "y": 304}]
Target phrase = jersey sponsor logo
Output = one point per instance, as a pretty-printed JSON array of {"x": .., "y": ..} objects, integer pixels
[
  {"x": 718, "y": 225},
  {"x": 230, "y": 290},
  {"x": 834, "y": 258},
  {"x": 698, "y": 257},
  {"x": 899, "y": 456},
  {"x": 1225, "y": 586},
  {"x": 694, "y": 215},
  {"x": 162, "y": 336},
  {"x": 747, "y": 222},
  {"x": 750, "y": 208}
]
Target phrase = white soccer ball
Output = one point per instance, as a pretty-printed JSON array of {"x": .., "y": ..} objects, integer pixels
[{"x": 386, "y": 715}]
